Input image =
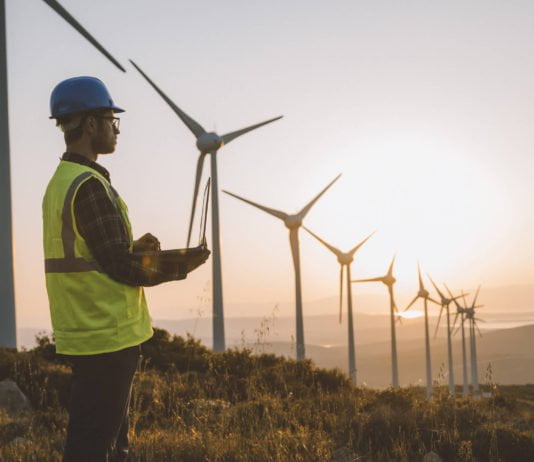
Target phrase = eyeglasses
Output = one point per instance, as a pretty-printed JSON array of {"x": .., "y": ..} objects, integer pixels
[{"x": 115, "y": 121}]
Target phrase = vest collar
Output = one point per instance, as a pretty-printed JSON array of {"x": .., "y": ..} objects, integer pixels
[{"x": 79, "y": 159}]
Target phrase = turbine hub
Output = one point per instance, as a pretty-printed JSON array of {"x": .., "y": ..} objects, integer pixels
[
  {"x": 293, "y": 221},
  {"x": 209, "y": 142},
  {"x": 345, "y": 259},
  {"x": 389, "y": 280},
  {"x": 423, "y": 293}
]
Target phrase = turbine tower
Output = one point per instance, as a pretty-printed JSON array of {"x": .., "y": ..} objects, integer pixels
[
  {"x": 423, "y": 293},
  {"x": 345, "y": 260},
  {"x": 445, "y": 303},
  {"x": 293, "y": 223},
  {"x": 8, "y": 327},
  {"x": 389, "y": 280},
  {"x": 208, "y": 143}
]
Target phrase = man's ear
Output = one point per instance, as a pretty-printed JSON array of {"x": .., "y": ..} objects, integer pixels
[{"x": 89, "y": 124}]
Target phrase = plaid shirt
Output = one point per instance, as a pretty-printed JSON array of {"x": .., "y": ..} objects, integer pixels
[{"x": 101, "y": 225}]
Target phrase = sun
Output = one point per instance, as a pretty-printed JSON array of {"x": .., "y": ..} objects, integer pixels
[{"x": 411, "y": 314}]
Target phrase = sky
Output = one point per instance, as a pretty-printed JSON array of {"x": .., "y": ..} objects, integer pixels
[{"x": 425, "y": 107}]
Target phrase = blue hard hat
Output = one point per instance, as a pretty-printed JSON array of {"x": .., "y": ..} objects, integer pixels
[{"x": 80, "y": 94}]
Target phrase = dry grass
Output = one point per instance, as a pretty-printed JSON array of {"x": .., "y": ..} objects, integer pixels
[{"x": 190, "y": 404}]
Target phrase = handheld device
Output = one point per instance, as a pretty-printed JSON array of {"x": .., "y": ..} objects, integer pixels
[{"x": 186, "y": 255}]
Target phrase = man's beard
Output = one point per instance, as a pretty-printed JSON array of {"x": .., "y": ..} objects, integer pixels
[{"x": 102, "y": 144}]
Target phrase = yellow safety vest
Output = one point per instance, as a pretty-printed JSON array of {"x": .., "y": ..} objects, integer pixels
[{"x": 91, "y": 313}]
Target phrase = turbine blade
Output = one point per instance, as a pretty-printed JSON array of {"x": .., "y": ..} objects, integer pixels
[
  {"x": 435, "y": 287},
  {"x": 476, "y": 296},
  {"x": 411, "y": 303},
  {"x": 458, "y": 306},
  {"x": 276, "y": 213},
  {"x": 356, "y": 247},
  {"x": 337, "y": 252},
  {"x": 198, "y": 175},
  {"x": 433, "y": 301},
  {"x": 458, "y": 296},
  {"x": 340, "y": 293},
  {"x": 68, "y": 17},
  {"x": 307, "y": 208},
  {"x": 449, "y": 290},
  {"x": 294, "y": 241},
  {"x": 378, "y": 279},
  {"x": 233, "y": 135},
  {"x": 390, "y": 269},
  {"x": 478, "y": 329},
  {"x": 392, "y": 298},
  {"x": 439, "y": 319},
  {"x": 193, "y": 125},
  {"x": 455, "y": 319},
  {"x": 421, "y": 285}
]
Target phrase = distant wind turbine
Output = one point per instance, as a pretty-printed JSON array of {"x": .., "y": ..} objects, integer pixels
[
  {"x": 345, "y": 259},
  {"x": 208, "y": 143},
  {"x": 8, "y": 327},
  {"x": 460, "y": 311},
  {"x": 293, "y": 223},
  {"x": 470, "y": 315},
  {"x": 445, "y": 303},
  {"x": 423, "y": 293},
  {"x": 389, "y": 280}
]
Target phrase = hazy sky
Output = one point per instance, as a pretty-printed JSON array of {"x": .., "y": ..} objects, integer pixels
[{"x": 426, "y": 107}]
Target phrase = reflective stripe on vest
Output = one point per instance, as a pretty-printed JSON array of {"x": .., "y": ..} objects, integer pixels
[{"x": 69, "y": 263}]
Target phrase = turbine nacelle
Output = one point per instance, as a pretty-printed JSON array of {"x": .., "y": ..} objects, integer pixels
[
  {"x": 345, "y": 258},
  {"x": 388, "y": 280},
  {"x": 209, "y": 142},
  {"x": 469, "y": 313},
  {"x": 423, "y": 293},
  {"x": 293, "y": 221}
]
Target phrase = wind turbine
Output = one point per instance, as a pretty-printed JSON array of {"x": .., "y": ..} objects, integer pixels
[
  {"x": 445, "y": 303},
  {"x": 8, "y": 326},
  {"x": 389, "y": 280},
  {"x": 345, "y": 259},
  {"x": 423, "y": 293},
  {"x": 470, "y": 315},
  {"x": 460, "y": 311},
  {"x": 293, "y": 223},
  {"x": 208, "y": 143}
]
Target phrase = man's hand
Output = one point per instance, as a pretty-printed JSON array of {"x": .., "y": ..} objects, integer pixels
[{"x": 147, "y": 242}]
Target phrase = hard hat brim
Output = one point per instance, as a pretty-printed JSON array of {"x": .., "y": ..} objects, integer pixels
[{"x": 115, "y": 109}]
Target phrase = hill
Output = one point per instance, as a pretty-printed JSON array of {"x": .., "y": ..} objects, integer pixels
[{"x": 190, "y": 404}]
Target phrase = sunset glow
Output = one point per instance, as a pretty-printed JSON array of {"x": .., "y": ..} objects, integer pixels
[
  {"x": 411, "y": 314},
  {"x": 428, "y": 121}
]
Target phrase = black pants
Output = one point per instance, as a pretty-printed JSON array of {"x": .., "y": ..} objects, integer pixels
[{"x": 98, "y": 410}]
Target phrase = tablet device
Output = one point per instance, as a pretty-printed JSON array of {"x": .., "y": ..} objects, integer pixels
[{"x": 178, "y": 256}]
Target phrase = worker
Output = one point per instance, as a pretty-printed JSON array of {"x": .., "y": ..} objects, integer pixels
[{"x": 95, "y": 273}]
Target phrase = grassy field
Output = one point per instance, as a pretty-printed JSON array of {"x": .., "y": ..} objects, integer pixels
[{"x": 190, "y": 404}]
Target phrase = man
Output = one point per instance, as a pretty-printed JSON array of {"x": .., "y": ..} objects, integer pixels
[{"x": 94, "y": 277}]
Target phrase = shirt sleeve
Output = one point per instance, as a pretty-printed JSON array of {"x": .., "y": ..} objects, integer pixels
[{"x": 101, "y": 225}]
